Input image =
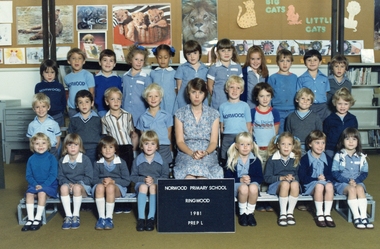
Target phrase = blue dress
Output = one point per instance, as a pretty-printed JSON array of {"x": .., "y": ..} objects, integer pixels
[{"x": 197, "y": 137}]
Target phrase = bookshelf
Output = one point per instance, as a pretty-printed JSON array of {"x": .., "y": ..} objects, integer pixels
[{"x": 366, "y": 91}]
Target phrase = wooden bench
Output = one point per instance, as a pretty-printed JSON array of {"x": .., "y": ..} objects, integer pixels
[{"x": 340, "y": 205}]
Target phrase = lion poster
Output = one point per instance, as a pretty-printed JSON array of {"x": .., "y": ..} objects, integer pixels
[
  {"x": 199, "y": 22},
  {"x": 147, "y": 25}
]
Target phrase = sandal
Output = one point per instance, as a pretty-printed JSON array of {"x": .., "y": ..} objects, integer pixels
[
  {"x": 367, "y": 224},
  {"x": 282, "y": 220},
  {"x": 290, "y": 219},
  {"x": 359, "y": 224}
]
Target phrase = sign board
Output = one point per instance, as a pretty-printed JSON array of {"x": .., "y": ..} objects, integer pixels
[{"x": 195, "y": 206}]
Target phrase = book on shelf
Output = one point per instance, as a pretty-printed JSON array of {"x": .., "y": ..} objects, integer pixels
[{"x": 360, "y": 76}]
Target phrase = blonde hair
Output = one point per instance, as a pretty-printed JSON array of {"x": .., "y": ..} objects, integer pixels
[
  {"x": 76, "y": 51},
  {"x": 275, "y": 141},
  {"x": 72, "y": 138},
  {"x": 149, "y": 135},
  {"x": 307, "y": 92},
  {"x": 344, "y": 94},
  {"x": 233, "y": 153},
  {"x": 137, "y": 49},
  {"x": 40, "y": 97},
  {"x": 39, "y": 135},
  {"x": 234, "y": 79},
  {"x": 153, "y": 87},
  {"x": 110, "y": 90}
]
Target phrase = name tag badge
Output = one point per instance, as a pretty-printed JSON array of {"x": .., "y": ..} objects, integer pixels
[
  {"x": 356, "y": 162},
  {"x": 234, "y": 69},
  {"x": 140, "y": 82}
]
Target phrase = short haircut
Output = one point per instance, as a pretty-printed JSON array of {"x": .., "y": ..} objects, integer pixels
[
  {"x": 110, "y": 90},
  {"x": 306, "y": 91},
  {"x": 192, "y": 46},
  {"x": 347, "y": 133},
  {"x": 197, "y": 84},
  {"x": 315, "y": 135},
  {"x": 262, "y": 86},
  {"x": 137, "y": 49},
  {"x": 284, "y": 53},
  {"x": 107, "y": 140},
  {"x": 337, "y": 59},
  {"x": 153, "y": 87},
  {"x": 170, "y": 50},
  {"x": 72, "y": 138},
  {"x": 234, "y": 79},
  {"x": 83, "y": 94},
  {"x": 48, "y": 64},
  {"x": 40, "y": 97},
  {"x": 311, "y": 53},
  {"x": 149, "y": 135},
  {"x": 39, "y": 135},
  {"x": 107, "y": 53},
  {"x": 76, "y": 51},
  {"x": 344, "y": 94}
]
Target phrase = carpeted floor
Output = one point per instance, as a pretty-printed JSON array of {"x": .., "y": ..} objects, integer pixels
[{"x": 267, "y": 234}]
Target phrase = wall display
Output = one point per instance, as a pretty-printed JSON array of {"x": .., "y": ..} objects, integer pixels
[
  {"x": 6, "y": 13},
  {"x": 92, "y": 43},
  {"x": 293, "y": 18},
  {"x": 29, "y": 24},
  {"x": 5, "y": 34},
  {"x": 14, "y": 55},
  {"x": 200, "y": 22},
  {"x": 1, "y": 56},
  {"x": 34, "y": 55},
  {"x": 248, "y": 19},
  {"x": 118, "y": 49},
  {"x": 376, "y": 35},
  {"x": 92, "y": 17},
  {"x": 353, "y": 8},
  {"x": 62, "y": 52},
  {"x": 147, "y": 25}
]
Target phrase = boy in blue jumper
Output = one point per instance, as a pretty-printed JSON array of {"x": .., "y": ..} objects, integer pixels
[
  {"x": 105, "y": 79},
  {"x": 316, "y": 81},
  {"x": 147, "y": 168}
]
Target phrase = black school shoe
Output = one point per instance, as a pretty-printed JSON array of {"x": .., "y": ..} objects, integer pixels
[
  {"x": 251, "y": 220},
  {"x": 243, "y": 220},
  {"x": 140, "y": 225},
  {"x": 149, "y": 224},
  {"x": 27, "y": 226},
  {"x": 36, "y": 225}
]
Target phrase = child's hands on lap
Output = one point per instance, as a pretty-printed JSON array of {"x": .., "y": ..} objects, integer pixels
[
  {"x": 149, "y": 180},
  {"x": 321, "y": 178},
  {"x": 38, "y": 187},
  {"x": 245, "y": 179},
  {"x": 107, "y": 181},
  {"x": 352, "y": 182}
]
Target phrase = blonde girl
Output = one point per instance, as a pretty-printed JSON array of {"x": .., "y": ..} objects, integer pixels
[
  {"x": 350, "y": 169},
  {"x": 225, "y": 63},
  {"x": 75, "y": 172},
  {"x": 244, "y": 165},
  {"x": 281, "y": 173},
  {"x": 135, "y": 81},
  {"x": 254, "y": 71}
]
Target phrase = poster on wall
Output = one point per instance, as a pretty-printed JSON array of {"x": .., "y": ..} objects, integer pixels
[
  {"x": 29, "y": 24},
  {"x": 199, "y": 22},
  {"x": 92, "y": 43},
  {"x": 6, "y": 13},
  {"x": 14, "y": 56},
  {"x": 34, "y": 55},
  {"x": 92, "y": 17},
  {"x": 1, "y": 56},
  {"x": 148, "y": 25},
  {"x": 5, "y": 34},
  {"x": 376, "y": 35}
]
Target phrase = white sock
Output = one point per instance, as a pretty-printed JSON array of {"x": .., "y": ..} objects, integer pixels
[
  {"x": 354, "y": 205},
  {"x": 242, "y": 207},
  {"x": 362, "y": 202},
  {"x": 251, "y": 208},
  {"x": 283, "y": 203},
  {"x": 40, "y": 210},
  {"x": 66, "y": 205},
  {"x": 77, "y": 202},
  {"x": 292, "y": 204},
  {"x": 318, "y": 207},
  {"x": 100, "y": 205},
  {"x": 30, "y": 211},
  {"x": 109, "y": 209},
  {"x": 328, "y": 206}
]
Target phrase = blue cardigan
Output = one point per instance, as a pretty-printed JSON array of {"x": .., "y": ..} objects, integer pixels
[
  {"x": 244, "y": 95},
  {"x": 255, "y": 172}
]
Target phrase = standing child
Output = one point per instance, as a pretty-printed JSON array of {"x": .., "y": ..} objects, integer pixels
[
  {"x": 105, "y": 79},
  {"x": 284, "y": 84},
  {"x": 254, "y": 71},
  {"x": 41, "y": 175},
  {"x": 164, "y": 75},
  {"x": 338, "y": 79},
  {"x": 235, "y": 115},
  {"x": 339, "y": 120},
  {"x": 44, "y": 123},
  {"x": 225, "y": 63},
  {"x": 86, "y": 123},
  {"x": 316, "y": 81},
  {"x": 75, "y": 177},
  {"x": 281, "y": 172},
  {"x": 111, "y": 179},
  {"x": 350, "y": 169},
  {"x": 135, "y": 81},
  {"x": 158, "y": 120},
  {"x": 53, "y": 89},
  {"x": 244, "y": 165},
  {"x": 316, "y": 178},
  {"x": 147, "y": 168},
  {"x": 191, "y": 69},
  {"x": 303, "y": 121},
  {"x": 78, "y": 79}
]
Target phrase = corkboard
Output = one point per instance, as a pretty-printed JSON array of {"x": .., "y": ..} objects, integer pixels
[{"x": 270, "y": 16}]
